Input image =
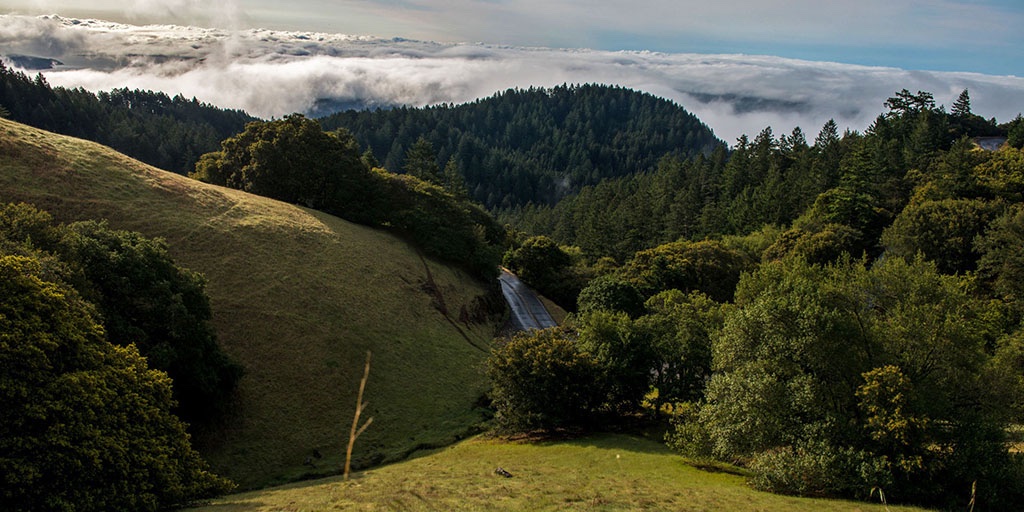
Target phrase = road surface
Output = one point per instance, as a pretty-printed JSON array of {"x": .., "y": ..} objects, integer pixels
[{"x": 527, "y": 310}]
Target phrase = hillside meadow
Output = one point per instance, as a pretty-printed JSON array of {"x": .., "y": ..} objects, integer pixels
[
  {"x": 298, "y": 298},
  {"x": 607, "y": 472}
]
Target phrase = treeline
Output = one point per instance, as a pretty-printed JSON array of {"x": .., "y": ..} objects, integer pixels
[
  {"x": 867, "y": 336},
  {"x": 536, "y": 145},
  {"x": 768, "y": 180},
  {"x": 294, "y": 160},
  {"x": 105, "y": 343},
  {"x": 169, "y": 133}
]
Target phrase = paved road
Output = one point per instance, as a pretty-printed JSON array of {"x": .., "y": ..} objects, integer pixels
[{"x": 527, "y": 310}]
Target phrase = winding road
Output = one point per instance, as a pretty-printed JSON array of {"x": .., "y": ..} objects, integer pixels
[{"x": 527, "y": 310}]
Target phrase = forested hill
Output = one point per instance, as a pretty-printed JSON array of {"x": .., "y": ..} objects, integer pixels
[
  {"x": 169, "y": 133},
  {"x": 536, "y": 145}
]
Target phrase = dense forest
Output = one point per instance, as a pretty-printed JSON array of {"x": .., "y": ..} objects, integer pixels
[
  {"x": 770, "y": 180},
  {"x": 535, "y": 145},
  {"x": 165, "y": 132},
  {"x": 839, "y": 318}
]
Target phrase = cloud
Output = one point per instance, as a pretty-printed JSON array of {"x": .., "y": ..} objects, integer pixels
[{"x": 274, "y": 73}]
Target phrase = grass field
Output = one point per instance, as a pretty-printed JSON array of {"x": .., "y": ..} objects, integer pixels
[
  {"x": 598, "y": 473},
  {"x": 298, "y": 298}
]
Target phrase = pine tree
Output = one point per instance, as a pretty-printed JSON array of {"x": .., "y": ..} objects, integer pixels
[
  {"x": 421, "y": 162},
  {"x": 962, "y": 106},
  {"x": 454, "y": 183}
]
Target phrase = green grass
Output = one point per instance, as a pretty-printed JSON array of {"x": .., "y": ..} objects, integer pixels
[
  {"x": 603, "y": 472},
  {"x": 298, "y": 298}
]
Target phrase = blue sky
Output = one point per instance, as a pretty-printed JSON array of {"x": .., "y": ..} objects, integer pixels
[{"x": 983, "y": 36}]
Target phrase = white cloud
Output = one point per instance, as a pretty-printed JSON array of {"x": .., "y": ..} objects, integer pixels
[{"x": 274, "y": 73}]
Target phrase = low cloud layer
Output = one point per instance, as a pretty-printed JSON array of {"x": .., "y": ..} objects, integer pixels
[{"x": 274, "y": 73}]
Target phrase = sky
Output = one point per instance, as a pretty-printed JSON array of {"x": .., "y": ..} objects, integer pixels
[{"x": 740, "y": 65}]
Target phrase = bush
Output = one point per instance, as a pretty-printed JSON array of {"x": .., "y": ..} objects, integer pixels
[
  {"x": 542, "y": 381},
  {"x": 819, "y": 470}
]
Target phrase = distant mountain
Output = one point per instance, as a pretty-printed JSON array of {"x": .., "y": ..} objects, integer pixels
[
  {"x": 30, "y": 62},
  {"x": 536, "y": 145}
]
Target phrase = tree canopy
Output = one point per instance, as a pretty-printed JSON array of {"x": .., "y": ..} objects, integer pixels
[
  {"x": 142, "y": 298},
  {"x": 294, "y": 160},
  {"x": 87, "y": 425}
]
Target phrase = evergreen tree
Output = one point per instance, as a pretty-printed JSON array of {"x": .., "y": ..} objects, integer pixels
[
  {"x": 454, "y": 183},
  {"x": 962, "y": 106},
  {"x": 421, "y": 162}
]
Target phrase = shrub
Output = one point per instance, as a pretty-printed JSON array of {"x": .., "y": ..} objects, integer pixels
[
  {"x": 819, "y": 470},
  {"x": 542, "y": 381}
]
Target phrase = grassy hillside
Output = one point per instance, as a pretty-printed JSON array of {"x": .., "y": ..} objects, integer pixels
[
  {"x": 298, "y": 298},
  {"x": 607, "y": 472}
]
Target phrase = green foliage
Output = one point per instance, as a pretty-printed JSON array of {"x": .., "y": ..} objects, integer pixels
[
  {"x": 816, "y": 469},
  {"x": 1015, "y": 133},
  {"x": 545, "y": 266},
  {"x": 625, "y": 354},
  {"x": 829, "y": 244},
  {"x": 1002, "y": 174},
  {"x": 295, "y": 161},
  {"x": 1001, "y": 261},
  {"x": 681, "y": 327},
  {"x": 885, "y": 402},
  {"x": 943, "y": 231},
  {"x": 86, "y": 425},
  {"x": 146, "y": 300},
  {"x": 440, "y": 225},
  {"x": 142, "y": 297},
  {"x": 535, "y": 145},
  {"x": 707, "y": 266},
  {"x": 421, "y": 162},
  {"x": 611, "y": 293},
  {"x": 543, "y": 380},
  {"x": 888, "y": 362}
]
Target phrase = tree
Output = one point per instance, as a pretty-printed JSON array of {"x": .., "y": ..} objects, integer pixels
[
  {"x": 884, "y": 367},
  {"x": 681, "y": 327},
  {"x": 542, "y": 264},
  {"x": 143, "y": 298},
  {"x": 828, "y": 244},
  {"x": 610, "y": 293},
  {"x": 943, "y": 231},
  {"x": 421, "y": 162},
  {"x": 542, "y": 380},
  {"x": 146, "y": 300},
  {"x": 295, "y": 161},
  {"x": 1001, "y": 262},
  {"x": 1015, "y": 133},
  {"x": 707, "y": 266},
  {"x": 906, "y": 102},
  {"x": 86, "y": 425},
  {"x": 454, "y": 183},
  {"x": 962, "y": 105},
  {"x": 624, "y": 354}
]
